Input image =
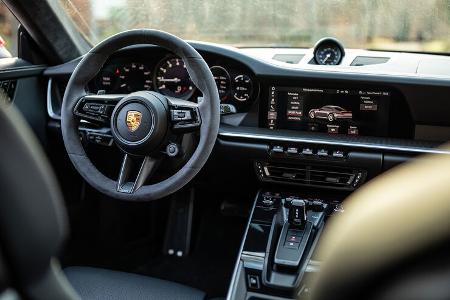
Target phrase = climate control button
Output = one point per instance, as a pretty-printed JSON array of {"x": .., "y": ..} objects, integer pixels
[{"x": 307, "y": 151}]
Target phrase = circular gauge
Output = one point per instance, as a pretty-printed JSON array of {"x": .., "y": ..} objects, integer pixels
[
  {"x": 243, "y": 88},
  {"x": 223, "y": 82},
  {"x": 106, "y": 80},
  {"x": 328, "y": 51},
  {"x": 328, "y": 56},
  {"x": 172, "y": 78},
  {"x": 134, "y": 77}
]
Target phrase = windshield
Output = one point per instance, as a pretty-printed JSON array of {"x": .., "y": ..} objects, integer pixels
[{"x": 403, "y": 25}]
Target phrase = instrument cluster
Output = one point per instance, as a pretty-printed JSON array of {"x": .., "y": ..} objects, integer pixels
[{"x": 168, "y": 75}]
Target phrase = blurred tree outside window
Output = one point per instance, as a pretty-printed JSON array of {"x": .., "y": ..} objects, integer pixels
[
  {"x": 402, "y": 25},
  {"x": 8, "y": 32}
]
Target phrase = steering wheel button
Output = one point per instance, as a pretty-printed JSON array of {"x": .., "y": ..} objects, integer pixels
[
  {"x": 187, "y": 115},
  {"x": 181, "y": 115},
  {"x": 178, "y": 115},
  {"x": 94, "y": 107},
  {"x": 172, "y": 149}
]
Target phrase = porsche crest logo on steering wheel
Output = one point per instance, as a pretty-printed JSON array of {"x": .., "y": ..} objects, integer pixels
[{"x": 133, "y": 120}]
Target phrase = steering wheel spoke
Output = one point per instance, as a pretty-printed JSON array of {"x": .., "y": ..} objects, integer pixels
[
  {"x": 147, "y": 168},
  {"x": 97, "y": 108},
  {"x": 184, "y": 115}
]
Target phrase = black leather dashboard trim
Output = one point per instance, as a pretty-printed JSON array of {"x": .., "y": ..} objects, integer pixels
[{"x": 11, "y": 68}]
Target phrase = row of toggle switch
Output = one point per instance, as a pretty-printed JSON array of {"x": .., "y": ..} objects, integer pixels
[{"x": 307, "y": 151}]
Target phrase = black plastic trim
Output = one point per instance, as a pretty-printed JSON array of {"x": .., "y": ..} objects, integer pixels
[
  {"x": 234, "y": 279},
  {"x": 19, "y": 69},
  {"x": 256, "y": 135}
]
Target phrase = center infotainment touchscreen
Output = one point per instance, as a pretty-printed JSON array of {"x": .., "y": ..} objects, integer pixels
[{"x": 333, "y": 111}]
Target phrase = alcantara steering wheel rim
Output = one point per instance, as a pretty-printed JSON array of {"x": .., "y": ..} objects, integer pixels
[{"x": 205, "y": 117}]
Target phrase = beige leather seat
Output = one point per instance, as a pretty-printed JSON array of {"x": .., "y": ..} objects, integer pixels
[{"x": 393, "y": 240}]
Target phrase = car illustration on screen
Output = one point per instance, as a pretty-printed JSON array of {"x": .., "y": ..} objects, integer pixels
[{"x": 330, "y": 112}]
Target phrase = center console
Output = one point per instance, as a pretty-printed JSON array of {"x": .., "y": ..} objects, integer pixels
[
  {"x": 316, "y": 143},
  {"x": 277, "y": 253}
]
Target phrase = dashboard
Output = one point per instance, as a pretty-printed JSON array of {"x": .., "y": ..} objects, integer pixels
[
  {"x": 330, "y": 97},
  {"x": 324, "y": 117}
]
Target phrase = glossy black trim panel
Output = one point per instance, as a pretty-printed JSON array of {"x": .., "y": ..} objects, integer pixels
[{"x": 238, "y": 260}]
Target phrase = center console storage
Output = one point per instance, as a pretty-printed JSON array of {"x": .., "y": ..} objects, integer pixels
[{"x": 276, "y": 253}]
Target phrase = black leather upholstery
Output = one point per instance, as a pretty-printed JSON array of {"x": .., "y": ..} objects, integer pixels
[
  {"x": 99, "y": 284},
  {"x": 33, "y": 225},
  {"x": 33, "y": 221}
]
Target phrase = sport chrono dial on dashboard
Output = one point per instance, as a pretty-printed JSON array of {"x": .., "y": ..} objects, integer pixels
[{"x": 328, "y": 51}]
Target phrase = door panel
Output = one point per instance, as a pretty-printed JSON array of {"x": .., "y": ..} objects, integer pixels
[{"x": 21, "y": 85}]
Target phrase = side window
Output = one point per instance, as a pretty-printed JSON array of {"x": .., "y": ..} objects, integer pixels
[{"x": 8, "y": 32}]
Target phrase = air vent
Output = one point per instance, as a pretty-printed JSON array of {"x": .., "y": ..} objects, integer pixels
[
  {"x": 288, "y": 58},
  {"x": 369, "y": 60},
  {"x": 332, "y": 177}
]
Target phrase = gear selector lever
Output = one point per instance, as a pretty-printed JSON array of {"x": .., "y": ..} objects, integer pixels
[
  {"x": 294, "y": 235},
  {"x": 297, "y": 213}
]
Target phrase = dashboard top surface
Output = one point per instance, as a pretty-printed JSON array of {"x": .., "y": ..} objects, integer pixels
[{"x": 261, "y": 62}]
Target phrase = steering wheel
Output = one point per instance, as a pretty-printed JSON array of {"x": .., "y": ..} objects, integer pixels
[{"x": 143, "y": 123}]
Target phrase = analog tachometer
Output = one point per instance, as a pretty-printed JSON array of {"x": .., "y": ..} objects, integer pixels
[{"x": 172, "y": 78}]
